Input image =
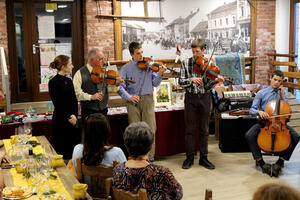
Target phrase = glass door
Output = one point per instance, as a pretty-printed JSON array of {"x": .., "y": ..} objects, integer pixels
[{"x": 40, "y": 31}]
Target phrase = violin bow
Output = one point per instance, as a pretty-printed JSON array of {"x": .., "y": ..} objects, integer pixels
[
  {"x": 212, "y": 53},
  {"x": 104, "y": 74}
]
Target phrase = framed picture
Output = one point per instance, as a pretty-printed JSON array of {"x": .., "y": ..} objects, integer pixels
[{"x": 163, "y": 94}]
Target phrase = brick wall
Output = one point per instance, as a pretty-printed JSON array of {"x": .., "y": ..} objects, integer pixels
[
  {"x": 3, "y": 32},
  {"x": 98, "y": 32},
  {"x": 265, "y": 37}
]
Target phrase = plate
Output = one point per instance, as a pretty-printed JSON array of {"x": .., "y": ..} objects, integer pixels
[{"x": 14, "y": 193}]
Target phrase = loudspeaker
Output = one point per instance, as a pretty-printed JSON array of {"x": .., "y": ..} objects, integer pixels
[{"x": 232, "y": 133}]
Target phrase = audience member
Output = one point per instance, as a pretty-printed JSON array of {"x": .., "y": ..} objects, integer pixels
[
  {"x": 276, "y": 191},
  {"x": 139, "y": 173},
  {"x": 95, "y": 149}
]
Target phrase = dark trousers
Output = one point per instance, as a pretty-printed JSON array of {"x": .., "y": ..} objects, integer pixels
[
  {"x": 86, "y": 112},
  {"x": 251, "y": 137},
  {"x": 196, "y": 110}
]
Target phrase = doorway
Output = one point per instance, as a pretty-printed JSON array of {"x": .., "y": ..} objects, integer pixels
[{"x": 38, "y": 31}]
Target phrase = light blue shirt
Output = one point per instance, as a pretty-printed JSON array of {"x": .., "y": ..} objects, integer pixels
[
  {"x": 263, "y": 97},
  {"x": 114, "y": 153},
  {"x": 131, "y": 71}
]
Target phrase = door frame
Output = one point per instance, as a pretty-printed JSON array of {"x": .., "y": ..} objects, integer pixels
[{"x": 32, "y": 80}]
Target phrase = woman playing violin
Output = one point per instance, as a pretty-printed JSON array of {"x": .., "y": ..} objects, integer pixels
[
  {"x": 197, "y": 105},
  {"x": 140, "y": 105},
  {"x": 260, "y": 101}
]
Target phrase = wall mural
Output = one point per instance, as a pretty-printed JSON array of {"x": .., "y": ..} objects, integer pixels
[{"x": 224, "y": 24}]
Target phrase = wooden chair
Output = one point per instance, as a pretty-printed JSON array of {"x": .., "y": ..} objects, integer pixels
[
  {"x": 120, "y": 194},
  {"x": 98, "y": 175},
  {"x": 208, "y": 194}
]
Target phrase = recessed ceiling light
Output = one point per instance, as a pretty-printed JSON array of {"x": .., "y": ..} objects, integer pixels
[
  {"x": 62, "y": 6},
  {"x": 49, "y": 10}
]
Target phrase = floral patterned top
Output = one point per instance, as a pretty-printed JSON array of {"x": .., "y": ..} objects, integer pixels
[{"x": 159, "y": 181}]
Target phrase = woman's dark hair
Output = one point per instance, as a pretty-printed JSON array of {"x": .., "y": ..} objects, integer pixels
[
  {"x": 276, "y": 191},
  {"x": 138, "y": 139},
  {"x": 95, "y": 135},
  {"x": 59, "y": 61}
]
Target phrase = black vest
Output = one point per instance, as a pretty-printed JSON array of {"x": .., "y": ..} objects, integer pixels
[{"x": 91, "y": 88}]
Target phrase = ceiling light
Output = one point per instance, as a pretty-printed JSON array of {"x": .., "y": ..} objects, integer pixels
[
  {"x": 50, "y": 11},
  {"x": 62, "y": 6}
]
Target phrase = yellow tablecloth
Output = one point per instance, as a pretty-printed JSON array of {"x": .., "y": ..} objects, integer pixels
[{"x": 20, "y": 180}]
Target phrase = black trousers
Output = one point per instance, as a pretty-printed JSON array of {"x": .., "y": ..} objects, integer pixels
[
  {"x": 196, "y": 110},
  {"x": 251, "y": 137}
]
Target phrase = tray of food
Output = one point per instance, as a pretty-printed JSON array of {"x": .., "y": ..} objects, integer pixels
[{"x": 14, "y": 193}]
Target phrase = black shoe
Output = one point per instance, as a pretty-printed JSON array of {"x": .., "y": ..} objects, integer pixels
[
  {"x": 266, "y": 168},
  {"x": 205, "y": 163},
  {"x": 276, "y": 169},
  {"x": 187, "y": 163}
]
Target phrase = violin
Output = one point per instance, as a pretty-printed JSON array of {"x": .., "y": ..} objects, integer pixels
[
  {"x": 99, "y": 74},
  {"x": 275, "y": 137},
  {"x": 154, "y": 66},
  {"x": 201, "y": 67}
]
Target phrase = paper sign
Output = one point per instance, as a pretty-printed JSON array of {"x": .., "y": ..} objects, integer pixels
[
  {"x": 51, "y": 6},
  {"x": 46, "y": 27}
]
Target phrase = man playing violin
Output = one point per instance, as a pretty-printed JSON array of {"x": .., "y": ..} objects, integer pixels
[
  {"x": 93, "y": 97},
  {"x": 260, "y": 101},
  {"x": 197, "y": 105},
  {"x": 140, "y": 105}
]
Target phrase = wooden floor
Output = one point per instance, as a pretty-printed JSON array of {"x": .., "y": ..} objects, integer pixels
[{"x": 235, "y": 176}]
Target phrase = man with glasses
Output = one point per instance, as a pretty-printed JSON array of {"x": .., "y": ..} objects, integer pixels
[{"x": 93, "y": 97}]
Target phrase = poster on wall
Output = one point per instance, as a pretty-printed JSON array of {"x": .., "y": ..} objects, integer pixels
[
  {"x": 46, "y": 74},
  {"x": 223, "y": 24},
  {"x": 63, "y": 49},
  {"x": 47, "y": 54},
  {"x": 46, "y": 29}
]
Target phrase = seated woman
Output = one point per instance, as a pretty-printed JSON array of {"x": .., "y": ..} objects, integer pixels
[
  {"x": 95, "y": 149},
  {"x": 139, "y": 173}
]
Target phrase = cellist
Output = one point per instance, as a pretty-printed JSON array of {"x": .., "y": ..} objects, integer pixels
[{"x": 260, "y": 101}]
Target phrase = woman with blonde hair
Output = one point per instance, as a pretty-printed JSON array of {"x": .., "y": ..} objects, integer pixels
[{"x": 276, "y": 191}]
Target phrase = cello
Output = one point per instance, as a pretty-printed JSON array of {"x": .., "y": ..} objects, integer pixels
[{"x": 275, "y": 137}]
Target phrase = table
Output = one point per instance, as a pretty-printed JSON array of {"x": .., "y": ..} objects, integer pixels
[
  {"x": 43, "y": 127},
  {"x": 64, "y": 173},
  {"x": 169, "y": 137},
  {"x": 170, "y": 133}
]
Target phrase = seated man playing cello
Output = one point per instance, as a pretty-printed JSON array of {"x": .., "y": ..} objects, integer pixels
[{"x": 260, "y": 102}]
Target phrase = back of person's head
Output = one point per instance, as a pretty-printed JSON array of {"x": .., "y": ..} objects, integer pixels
[
  {"x": 198, "y": 43},
  {"x": 96, "y": 133},
  {"x": 277, "y": 73},
  {"x": 59, "y": 61},
  {"x": 133, "y": 46},
  {"x": 276, "y": 191},
  {"x": 138, "y": 139}
]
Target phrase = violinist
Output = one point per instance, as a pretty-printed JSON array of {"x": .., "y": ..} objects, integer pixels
[
  {"x": 258, "y": 108},
  {"x": 140, "y": 105},
  {"x": 197, "y": 105},
  {"x": 93, "y": 97}
]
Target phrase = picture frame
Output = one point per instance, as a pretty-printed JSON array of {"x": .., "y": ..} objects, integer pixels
[{"x": 162, "y": 94}]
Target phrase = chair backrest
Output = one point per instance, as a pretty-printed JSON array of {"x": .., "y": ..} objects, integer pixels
[
  {"x": 208, "y": 194},
  {"x": 120, "y": 194},
  {"x": 98, "y": 175}
]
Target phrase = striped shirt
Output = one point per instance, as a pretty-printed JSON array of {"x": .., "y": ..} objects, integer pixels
[{"x": 187, "y": 74}]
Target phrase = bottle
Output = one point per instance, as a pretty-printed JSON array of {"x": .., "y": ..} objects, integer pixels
[{"x": 31, "y": 167}]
